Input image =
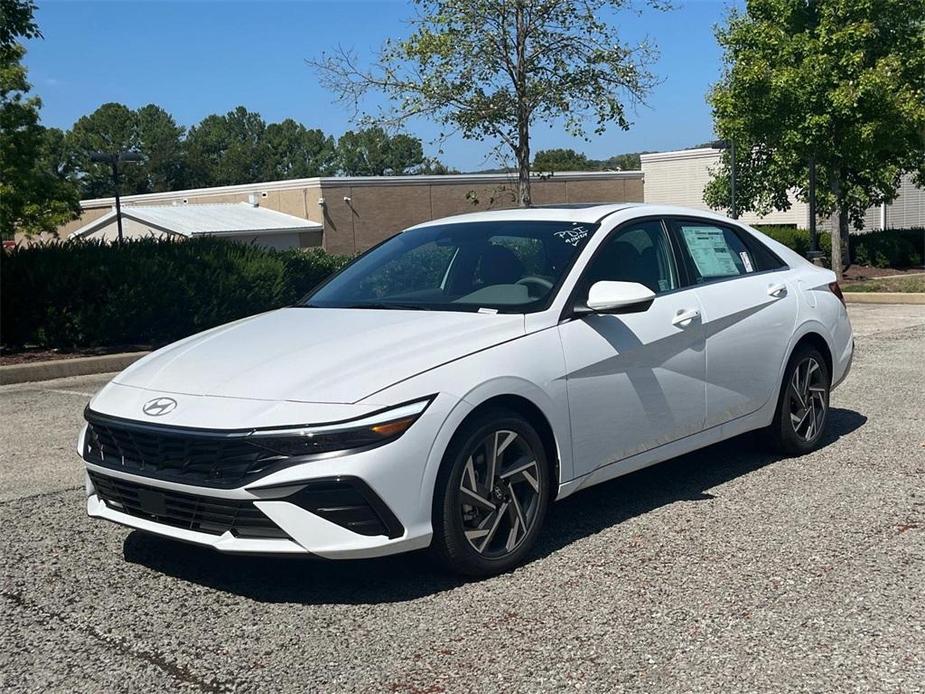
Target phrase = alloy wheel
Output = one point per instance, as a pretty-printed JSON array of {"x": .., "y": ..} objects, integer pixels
[
  {"x": 808, "y": 399},
  {"x": 499, "y": 494}
]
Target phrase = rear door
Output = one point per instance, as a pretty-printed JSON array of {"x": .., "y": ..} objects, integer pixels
[{"x": 749, "y": 308}]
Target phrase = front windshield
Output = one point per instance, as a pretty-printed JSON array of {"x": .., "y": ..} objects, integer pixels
[{"x": 510, "y": 266}]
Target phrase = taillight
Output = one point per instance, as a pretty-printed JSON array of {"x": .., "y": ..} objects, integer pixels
[{"x": 836, "y": 290}]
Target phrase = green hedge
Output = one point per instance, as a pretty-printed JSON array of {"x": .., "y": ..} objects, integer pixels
[
  {"x": 69, "y": 294},
  {"x": 897, "y": 248}
]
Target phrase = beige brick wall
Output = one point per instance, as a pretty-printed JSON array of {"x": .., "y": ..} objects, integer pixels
[
  {"x": 379, "y": 208},
  {"x": 376, "y": 212}
]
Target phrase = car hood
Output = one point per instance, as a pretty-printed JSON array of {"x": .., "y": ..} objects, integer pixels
[{"x": 318, "y": 355}]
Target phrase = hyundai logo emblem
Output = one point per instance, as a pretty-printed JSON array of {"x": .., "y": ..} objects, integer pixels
[{"x": 159, "y": 406}]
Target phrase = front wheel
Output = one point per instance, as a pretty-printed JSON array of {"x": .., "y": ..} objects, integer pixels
[
  {"x": 491, "y": 495},
  {"x": 803, "y": 405}
]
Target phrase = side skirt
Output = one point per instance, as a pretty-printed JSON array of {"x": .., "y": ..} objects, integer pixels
[{"x": 659, "y": 454}]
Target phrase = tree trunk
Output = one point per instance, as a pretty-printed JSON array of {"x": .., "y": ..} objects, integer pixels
[
  {"x": 836, "y": 250},
  {"x": 523, "y": 167},
  {"x": 838, "y": 253},
  {"x": 523, "y": 109},
  {"x": 843, "y": 231}
]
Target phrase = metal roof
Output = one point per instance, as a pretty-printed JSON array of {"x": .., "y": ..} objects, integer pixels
[{"x": 194, "y": 220}]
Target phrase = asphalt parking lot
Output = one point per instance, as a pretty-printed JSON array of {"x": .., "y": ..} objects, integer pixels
[{"x": 725, "y": 570}]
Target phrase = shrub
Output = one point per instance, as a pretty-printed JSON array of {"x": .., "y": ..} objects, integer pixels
[
  {"x": 898, "y": 248},
  {"x": 797, "y": 239},
  {"x": 77, "y": 294}
]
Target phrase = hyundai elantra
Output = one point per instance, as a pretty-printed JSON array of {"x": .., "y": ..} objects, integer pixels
[{"x": 446, "y": 386}]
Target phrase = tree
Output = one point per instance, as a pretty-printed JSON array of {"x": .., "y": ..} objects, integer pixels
[
  {"x": 550, "y": 160},
  {"x": 840, "y": 83},
  {"x": 624, "y": 162},
  {"x": 435, "y": 167},
  {"x": 494, "y": 68},
  {"x": 160, "y": 141},
  {"x": 17, "y": 21},
  {"x": 114, "y": 127},
  {"x": 227, "y": 150},
  {"x": 373, "y": 152},
  {"x": 34, "y": 196},
  {"x": 111, "y": 128},
  {"x": 294, "y": 151}
]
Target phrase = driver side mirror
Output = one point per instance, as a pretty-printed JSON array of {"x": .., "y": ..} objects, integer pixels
[{"x": 619, "y": 297}]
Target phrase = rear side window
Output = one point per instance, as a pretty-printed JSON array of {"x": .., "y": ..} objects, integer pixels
[
  {"x": 763, "y": 256},
  {"x": 715, "y": 252}
]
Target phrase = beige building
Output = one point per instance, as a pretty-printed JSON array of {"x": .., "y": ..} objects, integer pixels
[
  {"x": 679, "y": 178},
  {"x": 347, "y": 215}
]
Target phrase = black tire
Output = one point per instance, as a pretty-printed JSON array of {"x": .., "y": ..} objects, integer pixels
[
  {"x": 469, "y": 538},
  {"x": 796, "y": 429}
]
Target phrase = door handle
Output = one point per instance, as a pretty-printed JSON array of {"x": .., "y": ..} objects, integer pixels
[
  {"x": 685, "y": 317},
  {"x": 777, "y": 290}
]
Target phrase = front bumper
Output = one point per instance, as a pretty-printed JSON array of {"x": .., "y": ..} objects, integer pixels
[{"x": 394, "y": 479}]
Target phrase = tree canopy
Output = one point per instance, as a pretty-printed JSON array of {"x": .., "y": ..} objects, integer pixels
[
  {"x": 551, "y": 160},
  {"x": 548, "y": 160},
  {"x": 35, "y": 193},
  {"x": 491, "y": 69},
  {"x": 373, "y": 152},
  {"x": 840, "y": 83}
]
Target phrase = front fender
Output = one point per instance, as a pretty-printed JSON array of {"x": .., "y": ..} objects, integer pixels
[{"x": 532, "y": 368}]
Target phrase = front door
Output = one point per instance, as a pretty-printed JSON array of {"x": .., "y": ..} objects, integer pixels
[{"x": 635, "y": 380}]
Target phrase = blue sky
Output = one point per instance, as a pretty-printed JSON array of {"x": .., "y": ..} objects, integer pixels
[{"x": 202, "y": 57}]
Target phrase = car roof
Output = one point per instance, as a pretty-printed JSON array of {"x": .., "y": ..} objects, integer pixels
[
  {"x": 584, "y": 212},
  {"x": 566, "y": 212}
]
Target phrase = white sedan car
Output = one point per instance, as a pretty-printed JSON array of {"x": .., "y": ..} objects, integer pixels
[{"x": 446, "y": 386}]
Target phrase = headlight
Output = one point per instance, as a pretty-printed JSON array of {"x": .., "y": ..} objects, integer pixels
[{"x": 371, "y": 430}]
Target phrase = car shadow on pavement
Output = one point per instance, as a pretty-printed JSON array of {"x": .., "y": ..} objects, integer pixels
[{"x": 409, "y": 576}]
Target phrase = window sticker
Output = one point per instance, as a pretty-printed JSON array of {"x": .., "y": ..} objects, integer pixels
[
  {"x": 709, "y": 251},
  {"x": 572, "y": 236},
  {"x": 746, "y": 261}
]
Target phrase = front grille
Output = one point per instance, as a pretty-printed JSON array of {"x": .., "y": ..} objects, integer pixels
[
  {"x": 191, "y": 512},
  {"x": 179, "y": 456}
]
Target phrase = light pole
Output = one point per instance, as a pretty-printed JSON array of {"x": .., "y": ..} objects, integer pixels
[
  {"x": 114, "y": 160},
  {"x": 731, "y": 146},
  {"x": 814, "y": 255}
]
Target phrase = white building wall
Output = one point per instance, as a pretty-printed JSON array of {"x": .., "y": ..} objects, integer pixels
[
  {"x": 679, "y": 178},
  {"x": 908, "y": 209}
]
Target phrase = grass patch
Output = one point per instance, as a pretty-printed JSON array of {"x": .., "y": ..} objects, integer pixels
[{"x": 904, "y": 285}]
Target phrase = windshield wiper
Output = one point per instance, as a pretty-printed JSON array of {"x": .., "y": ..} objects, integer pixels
[{"x": 380, "y": 305}]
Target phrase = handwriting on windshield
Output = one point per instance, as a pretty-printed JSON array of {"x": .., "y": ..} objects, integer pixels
[{"x": 572, "y": 236}]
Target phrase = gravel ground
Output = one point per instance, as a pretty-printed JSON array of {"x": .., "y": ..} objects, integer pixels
[{"x": 725, "y": 570}]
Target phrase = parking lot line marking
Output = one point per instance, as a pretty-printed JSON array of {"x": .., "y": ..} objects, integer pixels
[{"x": 66, "y": 392}]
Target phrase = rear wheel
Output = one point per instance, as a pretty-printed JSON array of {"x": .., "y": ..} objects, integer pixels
[
  {"x": 491, "y": 495},
  {"x": 803, "y": 406}
]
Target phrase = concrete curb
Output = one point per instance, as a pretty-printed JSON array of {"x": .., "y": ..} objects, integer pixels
[
  {"x": 63, "y": 368},
  {"x": 884, "y": 297}
]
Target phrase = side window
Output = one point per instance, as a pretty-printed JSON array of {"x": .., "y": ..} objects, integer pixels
[
  {"x": 764, "y": 258},
  {"x": 715, "y": 252},
  {"x": 638, "y": 253}
]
